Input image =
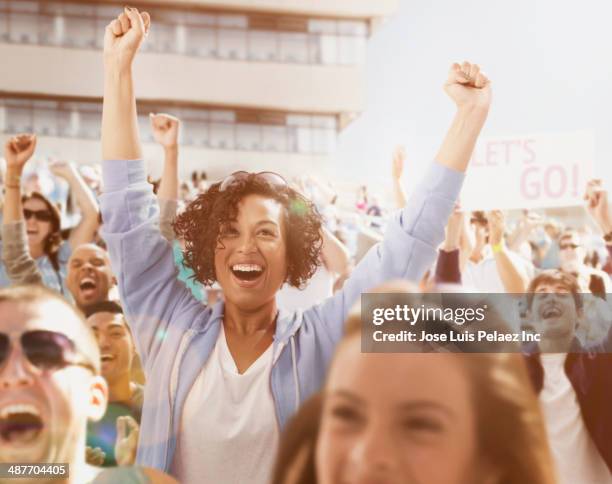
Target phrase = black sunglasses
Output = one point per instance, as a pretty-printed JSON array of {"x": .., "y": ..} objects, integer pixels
[
  {"x": 40, "y": 215},
  {"x": 46, "y": 350},
  {"x": 568, "y": 246},
  {"x": 270, "y": 177}
]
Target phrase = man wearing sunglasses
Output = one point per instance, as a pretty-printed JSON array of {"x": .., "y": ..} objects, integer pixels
[
  {"x": 50, "y": 387},
  {"x": 31, "y": 224},
  {"x": 572, "y": 254},
  {"x": 50, "y": 382}
]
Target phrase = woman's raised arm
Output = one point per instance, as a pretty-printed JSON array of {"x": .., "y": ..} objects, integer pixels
[{"x": 122, "y": 38}]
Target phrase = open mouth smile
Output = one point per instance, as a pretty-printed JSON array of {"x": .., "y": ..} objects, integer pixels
[
  {"x": 20, "y": 424},
  {"x": 106, "y": 358},
  {"x": 247, "y": 275},
  {"x": 551, "y": 311},
  {"x": 88, "y": 286}
]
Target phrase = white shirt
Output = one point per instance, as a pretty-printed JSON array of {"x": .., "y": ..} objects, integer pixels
[
  {"x": 484, "y": 276},
  {"x": 575, "y": 455},
  {"x": 229, "y": 432},
  {"x": 319, "y": 287}
]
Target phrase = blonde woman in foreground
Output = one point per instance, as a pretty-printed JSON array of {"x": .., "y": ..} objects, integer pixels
[{"x": 419, "y": 417}]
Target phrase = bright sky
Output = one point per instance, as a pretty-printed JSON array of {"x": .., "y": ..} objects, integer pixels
[{"x": 550, "y": 62}]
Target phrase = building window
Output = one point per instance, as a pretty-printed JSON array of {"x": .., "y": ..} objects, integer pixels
[
  {"x": 264, "y": 38},
  {"x": 222, "y": 136},
  {"x": 4, "y": 22},
  {"x": 216, "y": 129},
  {"x": 201, "y": 41},
  {"x": 19, "y": 117},
  {"x": 196, "y": 133},
  {"x": 294, "y": 48},
  {"x": 162, "y": 39},
  {"x": 232, "y": 44},
  {"x": 45, "y": 118},
  {"x": 3, "y": 127},
  {"x": 90, "y": 117},
  {"x": 67, "y": 123},
  {"x": 275, "y": 138},
  {"x": 263, "y": 46},
  {"x": 248, "y": 137},
  {"x": 144, "y": 126},
  {"x": 23, "y": 28},
  {"x": 80, "y": 32}
]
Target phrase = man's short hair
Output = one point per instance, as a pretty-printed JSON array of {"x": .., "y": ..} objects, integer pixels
[
  {"x": 555, "y": 276},
  {"x": 112, "y": 307},
  {"x": 568, "y": 233},
  {"x": 31, "y": 294}
]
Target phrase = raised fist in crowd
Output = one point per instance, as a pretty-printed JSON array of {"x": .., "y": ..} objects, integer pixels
[
  {"x": 63, "y": 169},
  {"x": 468, "y": 87},
  {"x": 597, "y": 205},
  {"x": 497, "y": 226},
  {"x": 124, "y": 35},
  {"x": 18, "y": 150},
  {"x": 165, "y": 129},
  {"x": 399, "y": 158}
]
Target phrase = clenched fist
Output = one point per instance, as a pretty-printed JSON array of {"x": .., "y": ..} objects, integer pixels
[
  {"x": 63, "y": 169},
  {"x": 94, "y": 456},
  {"x": 165, "y": 129},
  {"x": 597, "y": 205},
  {"x": 497, "y": 225},
  {"x": 18, "y": 150},
  {"x": 124, "y": 35},
  {"x": 468, "y": 87}
]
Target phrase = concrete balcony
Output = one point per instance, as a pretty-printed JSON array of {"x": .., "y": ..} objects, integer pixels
[
  {"x": 284, "y": 87},
  {"x": 358, "y": 9}
]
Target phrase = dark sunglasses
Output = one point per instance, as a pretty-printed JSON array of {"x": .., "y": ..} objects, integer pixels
[
  {"x": 46, "y": 350},
  {"x": 270, "y": 177},
  {"x": 568, "y": 246},
  {"x": 40, "y": 215}
]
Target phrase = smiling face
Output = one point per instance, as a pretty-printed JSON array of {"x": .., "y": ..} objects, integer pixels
[
  {"x": 571, "y": 252},
  {"x": 115, "y": 342},
  {"x": 374, "y": 430},
  {"x": 553, "y": 310},
  {"x": 90, "y": 276},
  {"x": 44, "y": 412},
  {"x": 480, "y": 227},
  {"x": 250, "y": 259},
  {"x": 37, "y": 231}
]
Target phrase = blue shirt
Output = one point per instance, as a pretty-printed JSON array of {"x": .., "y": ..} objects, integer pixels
[
  {"x": 175, "y": 335},
  {"x": 53, "y": 279}
]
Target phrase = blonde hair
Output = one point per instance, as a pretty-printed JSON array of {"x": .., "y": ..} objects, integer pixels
[
  {"x": 35, "y": 294},
  {"x": 511, "y": 433}
]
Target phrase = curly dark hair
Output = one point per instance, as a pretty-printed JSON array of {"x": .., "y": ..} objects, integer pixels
[
  {"x": 201, "y": 223},
  {"x": 53, "y": 240}
]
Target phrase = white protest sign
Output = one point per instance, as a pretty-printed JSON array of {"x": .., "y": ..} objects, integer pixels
[{"x": 539, "y": 171}]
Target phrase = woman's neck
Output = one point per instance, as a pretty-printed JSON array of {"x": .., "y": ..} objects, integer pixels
[
  {"x": 249, "y": 321},
  {"x": 36, "y": 251}
]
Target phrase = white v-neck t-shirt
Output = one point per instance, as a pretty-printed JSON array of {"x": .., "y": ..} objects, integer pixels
[
  {"x": 574, "y": 452},
  {"x": 228, "y": 430}
]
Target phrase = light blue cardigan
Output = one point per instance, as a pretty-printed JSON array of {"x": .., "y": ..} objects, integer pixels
[{"x": 175, "y": 334}]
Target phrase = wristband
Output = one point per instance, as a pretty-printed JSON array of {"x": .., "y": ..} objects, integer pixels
[
  {"x": 13, "y": 180},
  {"x": 497, "y": 248}
]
